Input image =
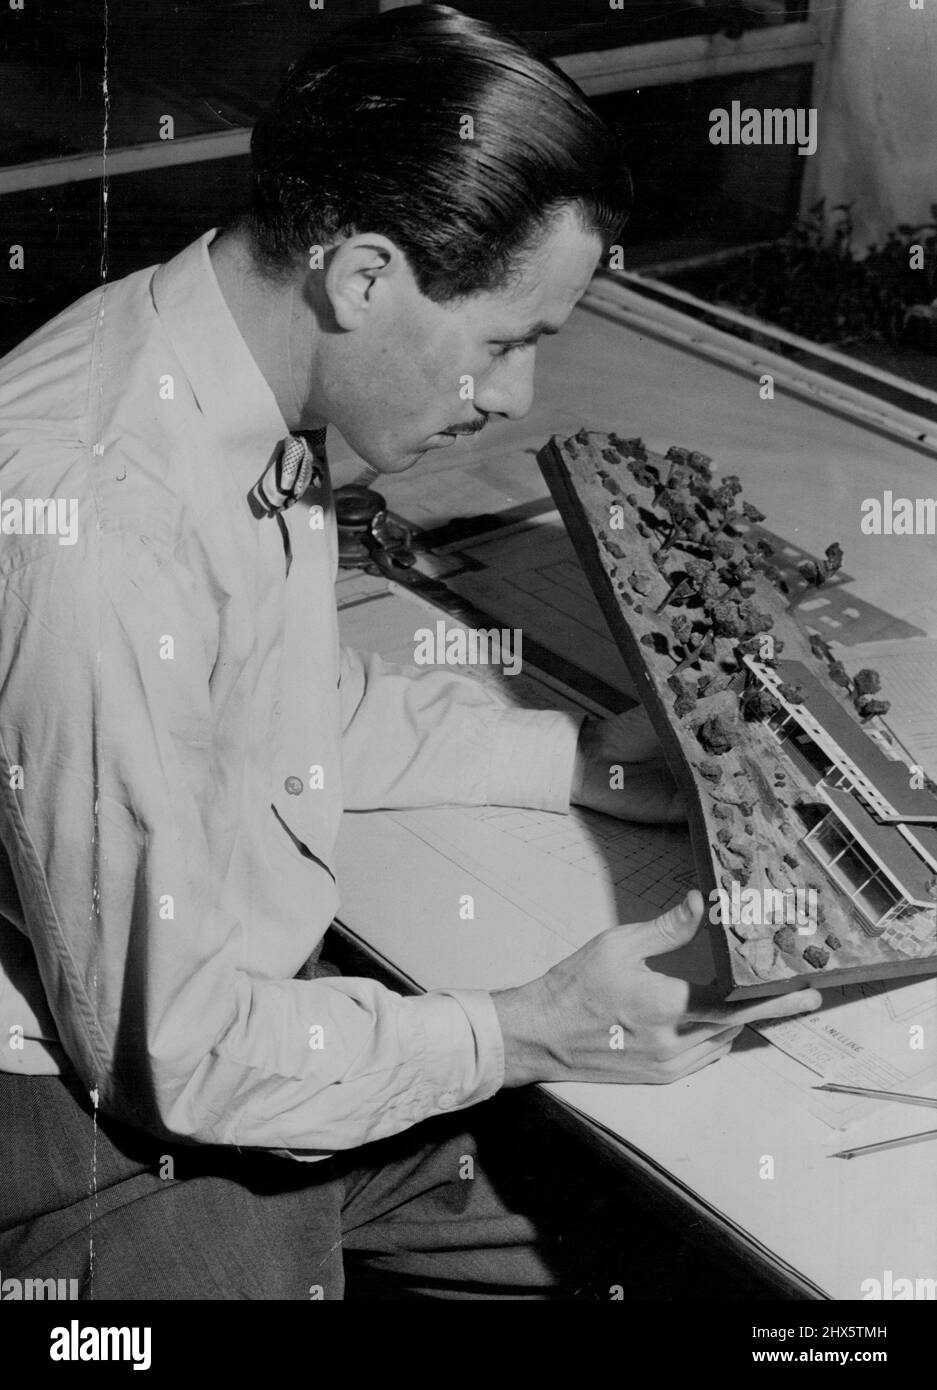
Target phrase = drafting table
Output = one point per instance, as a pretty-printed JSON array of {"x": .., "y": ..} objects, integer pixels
[{"x": 821, "y": 1225}]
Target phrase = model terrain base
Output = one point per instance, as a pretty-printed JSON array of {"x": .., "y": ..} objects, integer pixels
[{"x": 816, "y": 849}]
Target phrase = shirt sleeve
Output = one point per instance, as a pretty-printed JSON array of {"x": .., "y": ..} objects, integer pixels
[
  {"x": 112, "y": 798},
  {"x": 425, "y": 737}
]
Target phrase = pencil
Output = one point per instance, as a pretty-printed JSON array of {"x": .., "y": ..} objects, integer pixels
[
  {"x": 875, "y": 1095},
  {"x": 886, "y": 1144}
]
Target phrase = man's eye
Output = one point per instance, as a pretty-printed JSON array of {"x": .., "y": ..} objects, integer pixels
[{"x": 504, "y": 348}]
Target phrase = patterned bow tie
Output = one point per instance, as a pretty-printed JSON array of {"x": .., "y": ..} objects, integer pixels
[{"x": 297, "y": 465}]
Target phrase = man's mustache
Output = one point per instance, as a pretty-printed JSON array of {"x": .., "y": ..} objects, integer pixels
[{"x": 473, "y": 428}]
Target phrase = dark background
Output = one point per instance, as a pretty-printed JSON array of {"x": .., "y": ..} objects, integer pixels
[{"x": 212, "y": 65}]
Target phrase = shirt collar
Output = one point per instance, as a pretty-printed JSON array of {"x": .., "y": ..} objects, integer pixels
[{"x": 231, "y": 391}]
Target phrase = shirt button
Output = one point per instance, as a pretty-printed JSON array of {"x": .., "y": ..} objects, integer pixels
[
  {"x": 277, "y": 708},
  {"x": 447, "y": 1100},
  {"x": 293, "y": 785}
]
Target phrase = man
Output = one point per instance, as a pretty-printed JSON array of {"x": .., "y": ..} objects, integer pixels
[{"x": 180, "y": 732}]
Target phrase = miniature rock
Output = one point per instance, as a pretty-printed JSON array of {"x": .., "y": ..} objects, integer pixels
[
  {"x": 717, "y": 734},
  {"x": 761, "y": 704},
  {"x": 816, "y": 956},
  {"x": 786, "y": 939},
  {"x": 762, "y": 957}
]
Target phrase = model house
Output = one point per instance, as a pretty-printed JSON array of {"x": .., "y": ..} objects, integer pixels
[{"x": 875, "y": 831}]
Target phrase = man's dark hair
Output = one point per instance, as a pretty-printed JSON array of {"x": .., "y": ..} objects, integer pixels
[{"x": 369, "y": 133}]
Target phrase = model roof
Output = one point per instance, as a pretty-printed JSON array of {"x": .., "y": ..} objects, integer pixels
[
  {"x": 896, "y": 799},
  {"x": 885, "y": 843}
]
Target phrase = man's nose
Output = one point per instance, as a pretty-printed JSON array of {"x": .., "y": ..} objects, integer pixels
[{"x": 509, "y": 391}]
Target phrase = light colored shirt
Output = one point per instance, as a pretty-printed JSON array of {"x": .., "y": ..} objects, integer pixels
[{"x": 179, "y": 733}]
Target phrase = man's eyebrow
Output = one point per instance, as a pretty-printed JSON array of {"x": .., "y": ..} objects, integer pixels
[{"x": 536, "y": 330}]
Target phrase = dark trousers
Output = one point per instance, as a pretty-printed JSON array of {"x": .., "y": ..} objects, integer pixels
[{"x": 452, "y": 1208}]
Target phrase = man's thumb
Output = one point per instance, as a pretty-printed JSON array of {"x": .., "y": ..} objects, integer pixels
[{"x": 677, "y": 925}]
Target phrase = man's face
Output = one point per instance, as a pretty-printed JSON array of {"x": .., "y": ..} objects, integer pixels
[{"x": 413, "y": 375}]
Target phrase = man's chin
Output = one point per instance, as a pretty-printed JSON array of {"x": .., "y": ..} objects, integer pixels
[{"x": 400, "y": 464}]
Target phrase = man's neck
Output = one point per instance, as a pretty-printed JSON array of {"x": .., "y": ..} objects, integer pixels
[{"x": 263, "y": 310}]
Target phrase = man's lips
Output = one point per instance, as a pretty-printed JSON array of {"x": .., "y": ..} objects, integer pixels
[{"x": 458, "y": 433}]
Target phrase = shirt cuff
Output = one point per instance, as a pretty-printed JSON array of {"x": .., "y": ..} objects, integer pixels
[
  {"x": 531, "y": 759},
  {"x": 463, "y": 1054}
]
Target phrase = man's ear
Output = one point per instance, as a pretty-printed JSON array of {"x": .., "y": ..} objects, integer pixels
[{"x": 356, "y": 273}]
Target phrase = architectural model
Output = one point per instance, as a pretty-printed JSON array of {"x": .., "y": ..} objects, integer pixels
[{"x": 816, "y": 849}]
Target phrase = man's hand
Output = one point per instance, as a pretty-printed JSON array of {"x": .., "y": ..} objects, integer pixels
[
  {"x": 602, "y": 1015},
  {"x": 620, "y": 769}
]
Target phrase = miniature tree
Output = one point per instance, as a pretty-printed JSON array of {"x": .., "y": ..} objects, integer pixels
[
  {"x": 817, "y": 572},
  {"x": 697, "y": 569},
  {"x": 681, "y": 509},
  {"x": 723, "y": 547},
  {"x": 723, "y": 497},
  {"x": 755, "y": 619},
  {"x": 644, "y": 473},
  {"x": 681, "y": 586},
  {"x": 682, "y": 628},
  {"x": 737, "y": 570},
  {"x": 726, "y": 619},
  {"x": 738, "y": 574},
  {"x": 867, "y": 682},
  {"x": 634, "y": 447},
  {"x": 711, "y": 589},
  {"x": 701, "y": 652},
  {"x": 758, "y": 703},
  {"x": 868, "y": 706},
  {"x": 700, "y": 464}
]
